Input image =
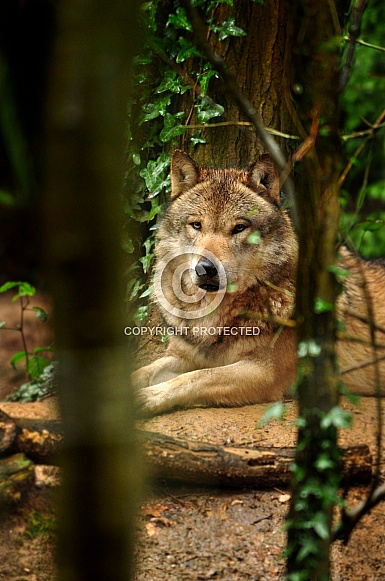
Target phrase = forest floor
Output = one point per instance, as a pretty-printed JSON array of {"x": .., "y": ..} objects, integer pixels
[{"x": 196, "y": 533}]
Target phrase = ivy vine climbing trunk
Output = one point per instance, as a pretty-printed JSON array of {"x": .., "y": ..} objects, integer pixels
[{"x": 316, "y": 66}]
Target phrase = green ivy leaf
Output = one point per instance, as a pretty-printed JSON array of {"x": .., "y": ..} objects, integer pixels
[
  {"x": 320, "y": 525},
  {"x": 152, "y": 110},
  {"x": 196, "y": 139},
  {"x": 324, "y": 463},
  {"x": 179, "y": 20},
  {"x": 206, "y": 110},
  {"x": 336, "y": 417},
  {"x": 187, "y": 50},
  {"x": 171, "y": 129},
  {"x": 171, "y": 82},
  {"x": 204, "y": 80},
  {"x": 228, "y": 28},
  {"x": 156, "y": 175}
]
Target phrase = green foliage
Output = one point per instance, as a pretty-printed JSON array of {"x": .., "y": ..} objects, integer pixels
[
  {"x": 317, "y": 487},
  {"x": 363, "y": 195},
  {"x": 40, "y": 525},
  {"x": 273, "y": 412},
  {"x": 38, "y": 368}
]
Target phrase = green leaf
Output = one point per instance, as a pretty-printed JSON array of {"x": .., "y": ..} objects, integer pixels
[
  {"x": 308, "y": 348},
  {"x": 186, "y": 51},
  {"x": 36, "y": 366},
  {"x": 204, "y": 80},
  {"x": 152, "y": 110},
  {"x": 2, "y": 324},
  {"x": 41, "y": 314},
  {"x": 273, "y": 412},
  {"x": 320, "y": 525},
  {"x": 24, "y": 289},
  {"x": 323, "y": 462},
  {"x": 254, "y": 237},
  {"x": 127, "y": 244},
  {"x": 179, "y": 20},
  {"x": 196, "y": 139},
  {"x": 146, "y": 293},
  {"x": 171, "y": 129},
  {"x": 308, "y": 547},
  {"x": 228, "y": 28},
  {"x": 351, "y": 397},
  {"x": 156, "y": 174},
  {"x": 207, "y": 109},
  {"x": 171, "y": 82},
  {"x": 142, "y": 313},
  {"x": 43, "y": 350},
  {"x": 339, "y": 272},
  {"x": 321, "y": 306},
  {"x": 336, "y": 417},
  {"x": 17, "y": 357}
]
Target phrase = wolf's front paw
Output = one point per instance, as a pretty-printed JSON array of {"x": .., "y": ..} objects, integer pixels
[
  {"x": 140, "y": 378},
  {"x": 153, "y": 400}
]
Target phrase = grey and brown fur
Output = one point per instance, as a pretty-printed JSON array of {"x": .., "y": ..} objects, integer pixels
[{"x": 217, "y": 211}]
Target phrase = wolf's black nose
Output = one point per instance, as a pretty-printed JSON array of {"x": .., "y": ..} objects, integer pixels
[{"x": 206, "y": 268}]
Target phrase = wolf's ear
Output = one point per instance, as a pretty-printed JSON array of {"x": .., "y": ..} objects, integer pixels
[
  {"x": 263, "y": 178},
  {"x": 184, "y": 173}
]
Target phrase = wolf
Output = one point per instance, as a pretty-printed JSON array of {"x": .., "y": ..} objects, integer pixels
[{"x": 226, "y": 258}]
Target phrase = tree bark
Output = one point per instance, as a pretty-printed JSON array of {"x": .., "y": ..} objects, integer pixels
[{"x": 257, "y": 61}]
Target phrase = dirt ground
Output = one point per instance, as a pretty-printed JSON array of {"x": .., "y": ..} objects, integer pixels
[{"x": 195, "y": 533}]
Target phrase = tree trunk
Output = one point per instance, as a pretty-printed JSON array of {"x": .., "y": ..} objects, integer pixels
[
  {"x": 316, "y": 64},
  {"x": 85, "y": 163},
  {"x": 257, "y": 61}
]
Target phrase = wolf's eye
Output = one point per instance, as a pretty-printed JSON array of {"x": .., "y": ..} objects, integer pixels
[
  {"x": 196, "y": 225},
  {"x": 239, "y": 228}
]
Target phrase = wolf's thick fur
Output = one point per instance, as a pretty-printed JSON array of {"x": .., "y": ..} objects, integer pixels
[{"x": 228, "y": 357}]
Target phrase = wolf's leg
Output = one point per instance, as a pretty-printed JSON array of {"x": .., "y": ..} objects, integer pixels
[
  {"x": 159, "y": 371},
  {"x": 240, "y": 383}
]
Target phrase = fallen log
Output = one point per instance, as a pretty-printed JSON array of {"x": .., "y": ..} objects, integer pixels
[
  {"x": 199, "y": 463},
  {"x": 37, "y": 439},
  {"x": 185, "y": 461}
]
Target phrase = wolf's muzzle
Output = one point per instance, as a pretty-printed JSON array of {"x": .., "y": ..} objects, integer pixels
[{"x": 207, "y": 276}]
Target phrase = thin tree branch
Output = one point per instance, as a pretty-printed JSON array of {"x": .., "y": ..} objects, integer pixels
[
  {"x": 363, "y": 43},
  {"x": 244, "y": 104},
  {"x": 362, "y": 365},
  {"x": 242, "y": 124},
  {"x": 357, "y": 13},
  {"x": 351, "y": 517},
  {"x": 361, "y": 148}
]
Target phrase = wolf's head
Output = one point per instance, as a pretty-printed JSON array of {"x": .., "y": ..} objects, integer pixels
[{"x": 229, "y": 224}]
